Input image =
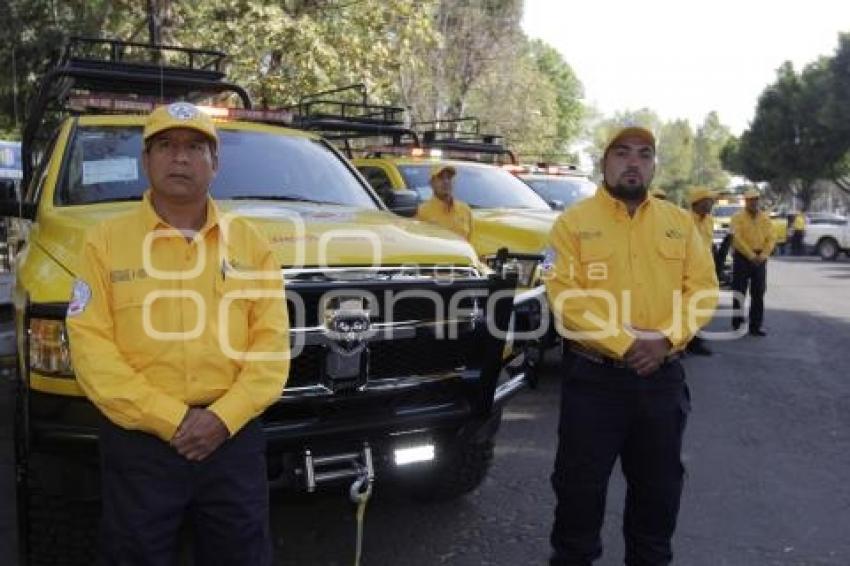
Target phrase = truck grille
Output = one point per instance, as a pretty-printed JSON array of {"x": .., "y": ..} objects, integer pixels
[
  {"x": 389, "y": 359},
  {"x": 411, "y": 329},
  {"x": 400, "y": 310}
]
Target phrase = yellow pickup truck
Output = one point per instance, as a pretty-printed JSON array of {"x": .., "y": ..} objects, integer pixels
[{"x": 423, "y": 367}]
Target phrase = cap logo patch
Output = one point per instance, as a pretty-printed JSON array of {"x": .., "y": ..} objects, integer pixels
[{"x": 182, "y": 110}]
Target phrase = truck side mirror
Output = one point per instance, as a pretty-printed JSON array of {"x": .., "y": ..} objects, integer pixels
[{"x": 402, "y": 202}]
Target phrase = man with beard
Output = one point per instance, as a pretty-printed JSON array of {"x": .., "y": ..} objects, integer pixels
[{"x": 632, "y": 282}]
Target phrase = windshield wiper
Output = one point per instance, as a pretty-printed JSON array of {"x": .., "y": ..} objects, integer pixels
[
  {"x": 109, "y": 199},
  {"x": 284, "y": 198}
]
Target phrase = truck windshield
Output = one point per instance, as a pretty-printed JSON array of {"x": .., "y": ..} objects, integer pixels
[
  {"x": 479, "y": 187},
  {"x": 567, "y": 190},
  {"x": 105, "y": 165}
]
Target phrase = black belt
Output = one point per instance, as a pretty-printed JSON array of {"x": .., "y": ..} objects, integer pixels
[{"x": 597, "y": 358}]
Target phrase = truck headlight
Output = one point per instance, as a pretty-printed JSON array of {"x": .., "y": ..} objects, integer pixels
[{"x": 48, "y": 348}]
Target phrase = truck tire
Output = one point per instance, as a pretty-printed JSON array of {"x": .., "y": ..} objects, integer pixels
[
  {"x": 458, "y": 472},
  {"x": 828, "y": 249},
  {"x": 61, "y": 529}
]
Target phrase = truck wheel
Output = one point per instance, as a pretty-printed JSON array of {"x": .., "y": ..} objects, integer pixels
[
  {"x": 60, "y": 528},
  {"x": 457, "y": 473},
  {"x": 828, "y": 249}
]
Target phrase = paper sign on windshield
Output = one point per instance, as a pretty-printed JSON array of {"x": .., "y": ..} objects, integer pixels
[{"x": 110, "y": 170}]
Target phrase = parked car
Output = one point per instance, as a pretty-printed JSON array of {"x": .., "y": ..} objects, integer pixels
[{"x": 827, "y": 235}]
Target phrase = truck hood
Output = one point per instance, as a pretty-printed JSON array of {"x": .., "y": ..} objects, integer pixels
[
  {"x": 297, "y": 231},
  {"x": 519, "y": 230}
]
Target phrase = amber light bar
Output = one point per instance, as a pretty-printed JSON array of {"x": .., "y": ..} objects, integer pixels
[{"x": 144, "y": 106}]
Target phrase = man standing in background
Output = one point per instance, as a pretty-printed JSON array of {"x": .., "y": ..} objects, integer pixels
[
  {"x": 701, "y": 200},
  {"x": 752, "y": 241},
  {"x": 443, "y": 208}
]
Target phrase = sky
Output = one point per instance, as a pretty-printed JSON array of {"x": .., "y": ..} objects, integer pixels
[{"x": 685, "y": 58}]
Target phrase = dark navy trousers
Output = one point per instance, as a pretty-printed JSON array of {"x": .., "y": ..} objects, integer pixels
[
  {"x": 747, "y": 274},
  {"x": 149, "y": 491},
  {"x": 606, "y": 413}
]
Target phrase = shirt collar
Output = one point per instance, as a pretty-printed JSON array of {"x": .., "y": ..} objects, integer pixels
[
  {"x": 153, "y": 220},
  {"x": 616, "y": 205},
  {"x": 446, "y": 205}
]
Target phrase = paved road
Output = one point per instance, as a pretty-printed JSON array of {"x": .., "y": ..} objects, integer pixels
[{"x": 767, "y": 449}]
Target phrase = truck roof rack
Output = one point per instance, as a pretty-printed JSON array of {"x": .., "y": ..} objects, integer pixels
[
  {"x": 122, "y": 67},
  {"x": 450, "y": 135},
  {"x": 337, "y": 117}
]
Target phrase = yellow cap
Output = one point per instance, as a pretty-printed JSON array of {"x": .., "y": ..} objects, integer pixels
[
  {"x": 438, "y": 169},
  {"x": 696, "y": 194},
  {"x": 658, "y": 192},
  {"x": 180, "y": 115},
  {"x": 752, "y": 193},
  {"x": 630, "y": 131}
]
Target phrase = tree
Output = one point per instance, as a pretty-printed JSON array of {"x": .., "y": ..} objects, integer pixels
[
  {"x": 440, "y": 58},
  {"x": 567, "y": 88},
  {"x": 31, "y": 37},
  {"x": 836, "y": 112},
  {"x": 675, "y": 149},
  {"x": 283, "y": 50},
  {"x": 790, "y": 142},
  {"x": 710, "y": 139},
  {"x": 526, "y": 108}
]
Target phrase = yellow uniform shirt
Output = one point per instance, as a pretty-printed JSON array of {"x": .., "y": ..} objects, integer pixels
[
  {"x": 752, "y": 233},
  {"x": 705, "y": 228},
  {"x": 153, "y": 328},
  {"x": 780, "y": 230},
  {"x": 799, "y": 223},
  {"x": 613, "y": 273},
  {"x": 457, "y": 217}
]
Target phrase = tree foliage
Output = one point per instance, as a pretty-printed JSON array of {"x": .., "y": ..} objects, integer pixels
[
  {"x": 800, "y": 133},
  {"x": 439, "y": 58},
  {"x": 711, "y": 137}
]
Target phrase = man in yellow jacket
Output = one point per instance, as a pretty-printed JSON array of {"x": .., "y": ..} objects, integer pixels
[
  {"x": 701, "y": 200},
  {"x": 179, "y": 335},
  {"x": 752, "y": 241},
  {"x": 443, "y": 208},
  {"x": 632, "y": 282}
]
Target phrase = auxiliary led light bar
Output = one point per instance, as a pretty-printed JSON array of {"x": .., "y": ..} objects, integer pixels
[{"x": 414, "y": 454}]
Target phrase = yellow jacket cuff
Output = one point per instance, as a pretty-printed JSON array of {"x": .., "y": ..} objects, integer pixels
[
  {"x": 234, "y": 409},
  {"x": 169, "y": 413}
]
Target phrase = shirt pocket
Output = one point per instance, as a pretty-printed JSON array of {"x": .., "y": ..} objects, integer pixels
[
  {"x": 671, "y": 254},
  {"x": 235, "y": 306},
  {"x": 596, "y": 251},
  {"x": 134, "y": 332}
]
